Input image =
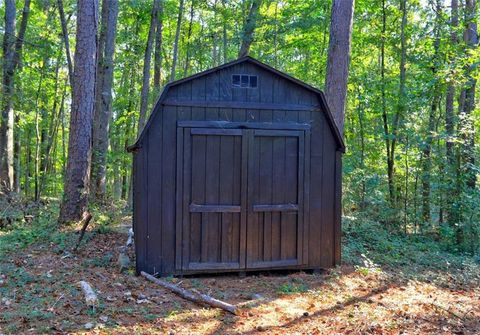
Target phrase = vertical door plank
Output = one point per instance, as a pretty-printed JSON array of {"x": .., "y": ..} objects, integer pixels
[
  {"x": 212, "y": 168},
  {"x": 168, "y": 188},
  {"x": 278, "y": 193},
  {"x": 187, "y": 219},
  {"x": 198, "y": 152}
]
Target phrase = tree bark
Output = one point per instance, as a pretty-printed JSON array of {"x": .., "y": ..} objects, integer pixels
[
  {"x": 146, "y": 68},
  {"x": 249, "y": 28},
  {"x": 339, "y": 58},
  {"x": 450, "y": 96},
  {"x": 12, "y": 50},
  {"x": 189, "y": 36},
  {"x": 390, "y": 175},
  {"x": 427, "y": 148},
  {"x": 450, "y": 125},
  {"x": 103, "y": 99},
  {"x": 177, "y": 38},
  {"x": 76, "y": 186},
  {"x": 224, "y": 32},
  {"x": 63, "y": 22},
  {"x": 157, "y": 67},
  {"x": 467, "y": 131}
]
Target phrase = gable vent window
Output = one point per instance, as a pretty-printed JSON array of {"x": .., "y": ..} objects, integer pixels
[{"x": 244, "y": 80}]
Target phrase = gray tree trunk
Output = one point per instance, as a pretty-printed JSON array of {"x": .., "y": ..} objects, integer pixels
[
  {"x": 157, "y": 66},
  {"x": 76, "y": 186},
  {"x": 189, "y": 36},
  {"x": 339, "y": 58},
  {"x": 450, "y": 212},
  {"x": 103, "y": 99},
  {"x": 177, "y": 38},
  {"x": 146, "y": 68},
  {"x": 450, "y": 96},
  {"x": 63, "y": 22},
  {"x": 12, "y": 50},
  {"x": 467, "y": 131},
  {"x": 427, "y": 147},
  {"x": 249, "y": 28}
]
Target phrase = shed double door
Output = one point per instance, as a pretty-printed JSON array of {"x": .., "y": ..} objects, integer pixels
[{"x": 241, "y": 192}]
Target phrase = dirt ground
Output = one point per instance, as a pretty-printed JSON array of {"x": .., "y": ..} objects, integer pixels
[{"x": 39, "y": 294}]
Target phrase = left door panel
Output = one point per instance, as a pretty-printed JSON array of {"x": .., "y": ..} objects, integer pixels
[{"x": 212, "y": 195}]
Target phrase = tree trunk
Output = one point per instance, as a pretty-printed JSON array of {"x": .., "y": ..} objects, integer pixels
[
  {"x": 157, "y": 65},
  {"x": 427, "y": 148},
  {"x": 146, "y": 68},
  {"x": 339, "y": 58},
  {"x": 450, "y": 97},
  {"x": 76, "y": 187},
  {"x": 249, "y": 28},
  {"x": 189, "y": 36},
  {"x": 12, "y": 49},
  {"x": 467, "y": 131},
  {"x": 401, "y": 91},
  {"x": 390, "y": 175},
  {"x": 63, "y": 22},
  {"x": 224, "y": 32},
  {"x": 450, "y": 124},
  {"x": 103, "y": 99},
  {"x": 177, "y": 38}
]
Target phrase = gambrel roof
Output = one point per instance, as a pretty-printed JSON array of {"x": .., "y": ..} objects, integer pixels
[{"x": 319, "y": 93}]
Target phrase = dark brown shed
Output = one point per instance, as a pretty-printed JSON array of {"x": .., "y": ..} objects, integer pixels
[{"x": 237, "y": 169}]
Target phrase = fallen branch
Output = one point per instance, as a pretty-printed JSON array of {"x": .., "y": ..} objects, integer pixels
[
  {"x": 193, "y": 296},
  {"x": 85, "y": 221},
  {"x": 90, "y": 296}
]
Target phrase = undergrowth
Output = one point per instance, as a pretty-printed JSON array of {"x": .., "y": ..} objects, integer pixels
[
  {"x": 44, "y": 228},
  {"x": 369, "y": 245}
]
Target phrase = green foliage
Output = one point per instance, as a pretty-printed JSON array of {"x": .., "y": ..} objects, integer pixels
[
  {"x": 370, "y": 246},
  {"x": 42, "y": 228},
  {"x": 297, "y": 285}
]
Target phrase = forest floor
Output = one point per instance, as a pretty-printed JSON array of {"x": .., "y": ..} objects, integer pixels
[{"x": 387, "y": 286}]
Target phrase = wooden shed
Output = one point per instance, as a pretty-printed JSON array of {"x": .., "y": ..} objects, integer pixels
[{"x": 237, "y": 169}]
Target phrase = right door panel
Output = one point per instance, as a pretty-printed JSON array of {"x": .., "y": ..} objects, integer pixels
[{"x": 275, "y": 198}]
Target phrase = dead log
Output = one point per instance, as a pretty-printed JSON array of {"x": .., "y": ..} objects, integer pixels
[
  {"x": 85, "y": 221},
  {"x": 193, "y": 296}
]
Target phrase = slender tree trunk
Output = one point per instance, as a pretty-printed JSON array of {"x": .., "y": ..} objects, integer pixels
[
  {"x": 177, "y": 38},
  {"x": 405, "y": 198},
  {"x": 12, "y": 50},
  {"x": 339, "y": 59},
  {"x": 275, "y": 37},
  {"x": 63, "y": 22},
  {"x": 390, "y": 175},
  {"x": 400, "y": 108},
  {"x": 48, "y": 135},
  {"x": 450, "y": 123},
  {"x": 76, "y": 187},
  {"x": 224, "y": 32},
  {"x": 146, "y": 68},
  {"x": 361, "y": 124},
  {"x": 28, "y": 161},
  {"x": 157, "y": 67},
  {"x": 249, "y": 28},
  {"x": 189, "y": 36},
  {"x": 215, "y": 48},
  {"x": 427, "y": 148},
  {"x": 103, "y": 99},
  {"x": 467, "y": 124}
]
